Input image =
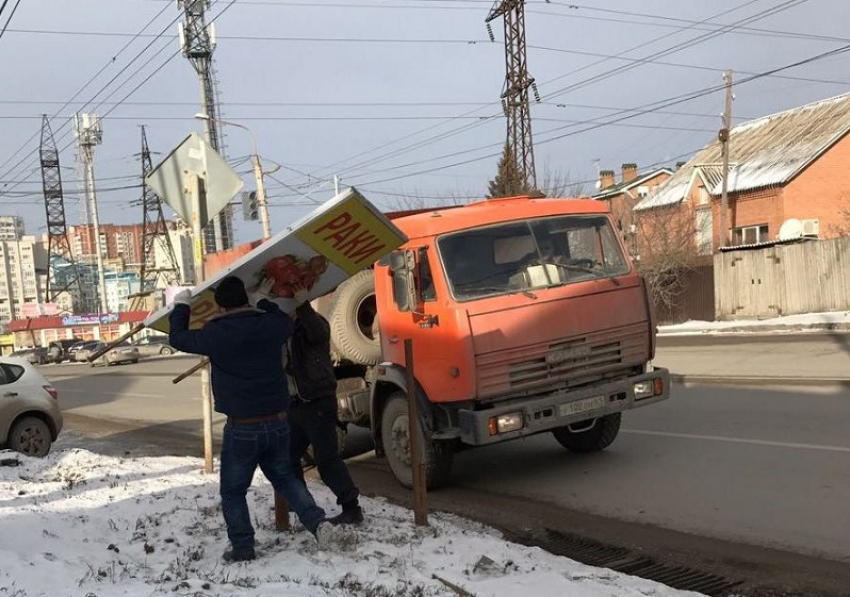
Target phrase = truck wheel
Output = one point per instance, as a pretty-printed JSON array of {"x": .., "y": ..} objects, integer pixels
[
  {"x": 438, "y": 456},
  {"x": 31, "y": 436},
  {"x": 353, "y": 318},
  {"x": 594, "y": 439}
]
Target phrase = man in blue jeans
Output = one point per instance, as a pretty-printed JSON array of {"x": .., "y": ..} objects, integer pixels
[{"x": 244, "y": 345}]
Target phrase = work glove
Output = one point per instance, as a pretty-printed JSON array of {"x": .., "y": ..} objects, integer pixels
[
  {"x": 261, "y": 291},
  {"x": 184, "y": 297}
]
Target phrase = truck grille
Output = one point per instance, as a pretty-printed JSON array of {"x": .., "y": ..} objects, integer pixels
[{"x": 562, "y": 364}]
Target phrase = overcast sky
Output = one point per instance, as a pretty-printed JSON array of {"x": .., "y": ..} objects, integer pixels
[{"x": 397, "y": 97}]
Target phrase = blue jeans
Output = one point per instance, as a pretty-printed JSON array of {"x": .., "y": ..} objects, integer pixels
[{"x": 266, "y": 444}]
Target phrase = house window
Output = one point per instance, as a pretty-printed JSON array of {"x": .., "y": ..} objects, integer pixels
[
  {"x": 705, "y": 232},
  {"x": 749, "y": 235},
  {"x": 703, "y": 196}
]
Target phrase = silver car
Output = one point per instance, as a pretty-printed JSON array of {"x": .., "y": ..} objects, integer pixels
[
  {"x": 123, "y": 353},
  {"x": 30, "y": 419}
]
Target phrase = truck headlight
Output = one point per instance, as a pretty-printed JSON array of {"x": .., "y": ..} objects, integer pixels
[
  {"x": 505, "y": 423},
  {"x": 644, "y": 389}
]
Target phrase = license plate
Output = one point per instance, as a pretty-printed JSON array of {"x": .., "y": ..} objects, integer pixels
[{"x": 580, "y": 406}]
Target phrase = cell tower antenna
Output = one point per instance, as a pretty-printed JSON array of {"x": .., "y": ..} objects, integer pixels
[
  {"x": 515, "y": 92},
  {"x": 197, "y": 41}
]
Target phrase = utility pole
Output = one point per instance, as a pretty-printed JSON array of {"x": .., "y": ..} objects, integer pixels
[
  {"x": 723, "y": 136},
  {"x": 515, "y": 92},
  {"x": 197, "y": 41},
  {"x": 57, "y": 230},
  {"x": 154, "y": 230},
  {"x": 90, "y": 134},
  {"x": 262, "y": 206}
]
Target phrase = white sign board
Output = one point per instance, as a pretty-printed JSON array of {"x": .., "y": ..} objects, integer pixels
[
  {"x": 338, "y": 239},
  {"x": 194, "y": 156}
]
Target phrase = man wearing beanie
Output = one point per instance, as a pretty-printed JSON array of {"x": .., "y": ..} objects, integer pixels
[{"x": 244, "y": 345}]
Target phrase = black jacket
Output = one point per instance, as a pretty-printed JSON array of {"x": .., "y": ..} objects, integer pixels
[
  {"x": 246, "y": 350},
  {"x": 311, "y": 355}
]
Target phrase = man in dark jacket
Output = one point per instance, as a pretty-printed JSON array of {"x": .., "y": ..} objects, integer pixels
[
  {"x": 313, "y": 412},
  {"x": 245, "y": 345}
]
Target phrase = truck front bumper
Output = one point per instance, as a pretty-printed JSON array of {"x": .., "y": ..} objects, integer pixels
[{"x": 559, "y": 409}]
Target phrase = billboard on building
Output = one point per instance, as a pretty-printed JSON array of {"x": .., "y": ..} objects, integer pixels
[
  {"x": 329, "y": 245},
  {"x": 30, "y": 310}
]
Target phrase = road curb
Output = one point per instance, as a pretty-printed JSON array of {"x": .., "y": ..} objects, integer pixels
[{"x": 759, "y": 380}]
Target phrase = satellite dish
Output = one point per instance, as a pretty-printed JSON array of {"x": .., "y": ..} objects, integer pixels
[
  {"x": 791, "y": 228},
  {"x": 598, "y": 184}
]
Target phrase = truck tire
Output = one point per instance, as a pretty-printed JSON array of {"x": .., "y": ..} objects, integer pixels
[
  {"x": 353, "y": 318},
  {"x": 30, "y": 436},
  {"x": 595, "y": 439},
  {"x": 438, "y": 456}
]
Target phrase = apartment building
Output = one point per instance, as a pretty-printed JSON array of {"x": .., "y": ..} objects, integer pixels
[{"x": 18, "y": 276}]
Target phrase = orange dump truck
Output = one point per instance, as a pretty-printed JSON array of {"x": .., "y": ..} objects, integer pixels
[{"x": 526, "y": 316}]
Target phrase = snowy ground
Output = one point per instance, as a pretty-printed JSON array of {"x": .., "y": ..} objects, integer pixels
[
  {"x": 82, "y": 524},
  {"x": 790, "y": 323}
]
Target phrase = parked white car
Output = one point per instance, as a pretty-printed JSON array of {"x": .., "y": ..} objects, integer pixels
[{"x": 30, "y": 418}]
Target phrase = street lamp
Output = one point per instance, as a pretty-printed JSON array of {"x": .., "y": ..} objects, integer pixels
[{"x": 258, "y": 174}]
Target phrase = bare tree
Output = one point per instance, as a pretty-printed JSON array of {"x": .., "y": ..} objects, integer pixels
[
  {"x": 664, "y": 245},
  {"x": 557, "y": 184},
  {"x": 842, "y": 227},
  {"x": 417, "y": 200}
]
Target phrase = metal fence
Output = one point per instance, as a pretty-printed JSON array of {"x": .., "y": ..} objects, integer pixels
[
  {"x": 696, "y": 300},
  {"x": 806, "y": 277}
]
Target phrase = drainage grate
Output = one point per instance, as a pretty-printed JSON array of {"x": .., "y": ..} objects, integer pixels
[{"x": 622, "y": 560}]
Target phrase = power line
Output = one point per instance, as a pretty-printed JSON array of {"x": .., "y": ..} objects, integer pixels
[{"x": 9, "y": 20}]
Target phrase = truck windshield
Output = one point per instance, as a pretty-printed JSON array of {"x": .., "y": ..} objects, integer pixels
[{"x": 538, "y": 253}]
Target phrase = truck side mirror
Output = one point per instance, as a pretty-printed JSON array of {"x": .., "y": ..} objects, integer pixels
[{"x": 402, "y": 264}]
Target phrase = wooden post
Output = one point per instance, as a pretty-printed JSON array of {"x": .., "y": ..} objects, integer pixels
[
  {"x": 202, "y": 363},
  {"x": 115, "y": 343},
  {"x": 281, "y": 513},
  {"x": 420, "y": 501}
]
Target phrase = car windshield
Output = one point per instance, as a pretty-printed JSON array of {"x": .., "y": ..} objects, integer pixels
[{"x": 538, "y": 253}]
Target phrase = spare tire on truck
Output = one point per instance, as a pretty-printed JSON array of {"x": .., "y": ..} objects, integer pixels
[{"x": 353, "y": 318}]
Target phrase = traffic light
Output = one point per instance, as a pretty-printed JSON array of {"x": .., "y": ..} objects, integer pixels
[{"x": 250, "y": 208}]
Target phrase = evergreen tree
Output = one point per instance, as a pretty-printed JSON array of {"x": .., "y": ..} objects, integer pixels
[{"x": 507, "y": 182}]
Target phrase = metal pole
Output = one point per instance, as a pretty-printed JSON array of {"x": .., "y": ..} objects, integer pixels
[
  {"x": 261, "y": 194},
  {"x": 104, "y": 304},
  {"x": 724, "y": 147},
  {"x": 196, "y": 187},
  {"x": 336, "y": 184}
]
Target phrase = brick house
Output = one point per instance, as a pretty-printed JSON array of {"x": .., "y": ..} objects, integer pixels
[
  {"x": 791, "y": 165},
  {"x": 621, "y": 197}
]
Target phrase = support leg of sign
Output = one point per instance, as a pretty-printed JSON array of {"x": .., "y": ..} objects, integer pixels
[
  {"x": 420, "y": 501},
  {"x": 281, "y": 513},
  {"x": 196, "y": 188},
  {"x": 115, "y": 343}
]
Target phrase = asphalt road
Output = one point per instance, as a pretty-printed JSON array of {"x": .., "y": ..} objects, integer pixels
[{"x": 759, "y": 466}]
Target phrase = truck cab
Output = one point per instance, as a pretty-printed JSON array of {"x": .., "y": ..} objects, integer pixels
[{"x": 525, "y": 316}]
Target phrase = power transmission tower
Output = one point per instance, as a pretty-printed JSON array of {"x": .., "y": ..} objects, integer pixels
[
  {"x": 197, "y": 41},
  {"x": 154, "y": 231},
  {"x": 58, "y": 247},
  {"x": 515, "y": 93}
]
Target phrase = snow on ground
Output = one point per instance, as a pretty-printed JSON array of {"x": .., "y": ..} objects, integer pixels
[
  {"x": 81, "y": 524},
  {"x": 796, "y": 323}
]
